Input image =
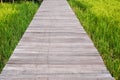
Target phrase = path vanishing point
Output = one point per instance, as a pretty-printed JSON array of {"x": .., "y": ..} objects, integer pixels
[{"x": 55, "y": 47}]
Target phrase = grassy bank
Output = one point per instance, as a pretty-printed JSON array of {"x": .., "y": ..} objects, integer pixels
[
  {"x": 14, "y": 19},
  {"x": 101, "y": 20}
]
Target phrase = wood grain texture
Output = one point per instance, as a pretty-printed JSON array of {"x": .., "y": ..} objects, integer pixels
[{"x": 55, "y": 47}]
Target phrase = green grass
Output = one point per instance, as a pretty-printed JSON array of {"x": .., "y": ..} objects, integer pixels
[
  {"x": 101, "y": 20},
  {"x": 14, "y": 19}
]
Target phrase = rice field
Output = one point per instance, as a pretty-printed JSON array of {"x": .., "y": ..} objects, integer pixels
[
  {"x": 14, "y": 19},
  {"x": 101, "y": 20}
]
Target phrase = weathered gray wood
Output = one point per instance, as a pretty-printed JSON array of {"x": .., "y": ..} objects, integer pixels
[{"x": 55, "y": 47}]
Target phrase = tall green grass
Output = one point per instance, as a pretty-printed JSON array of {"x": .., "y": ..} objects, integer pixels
[
  {"x": 14, "y": 19},
  {"x": 101, "y": 20}
]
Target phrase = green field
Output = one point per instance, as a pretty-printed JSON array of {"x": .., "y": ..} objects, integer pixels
[
  {"x": 101, "y": 20},
  {"x": 14, "y": 19}
]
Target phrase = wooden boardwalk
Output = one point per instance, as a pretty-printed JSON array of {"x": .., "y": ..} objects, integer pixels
[{"x": 55, "y": 47}]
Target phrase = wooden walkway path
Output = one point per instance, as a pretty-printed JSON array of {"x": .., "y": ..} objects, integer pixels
[{"x": 55, "y": 47}]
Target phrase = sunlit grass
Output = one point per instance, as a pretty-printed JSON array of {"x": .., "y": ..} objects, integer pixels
[
  {"x": 101, "y": 20},
  {"x": 14, "y": 19}
]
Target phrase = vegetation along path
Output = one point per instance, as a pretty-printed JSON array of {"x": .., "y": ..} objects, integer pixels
[{"x": 55, "y": 47}]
